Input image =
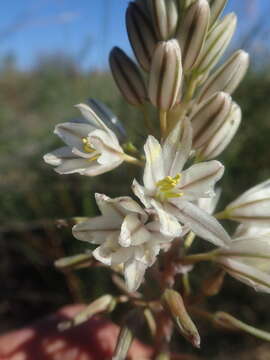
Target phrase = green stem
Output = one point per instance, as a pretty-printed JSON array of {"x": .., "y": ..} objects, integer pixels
[
  {"x": 209, "y": 256},
  {"x": 227, "y": 319},
  {"x": 148, "y": 124},
  {"x": 163, "y": 123},
  {"x": 132, "y": 160}
]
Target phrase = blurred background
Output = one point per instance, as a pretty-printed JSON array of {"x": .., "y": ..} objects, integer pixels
[{"x": 53, "y": 54}]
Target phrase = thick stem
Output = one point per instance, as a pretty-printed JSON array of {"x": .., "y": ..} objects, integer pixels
[
  {"x": 132, "y": 160},
  {"x": 163, "y": 123}
]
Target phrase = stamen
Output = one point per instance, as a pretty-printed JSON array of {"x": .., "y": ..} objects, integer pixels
[
  {"x": 86, "y": 146},
  {"x": 167, "y": 186}
]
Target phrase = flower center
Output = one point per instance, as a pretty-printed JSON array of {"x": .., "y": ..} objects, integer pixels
[
  {"x": 166, "y": 188},
  {"x": 86, "y": 146},
  {"x": 88, "y": 149}
]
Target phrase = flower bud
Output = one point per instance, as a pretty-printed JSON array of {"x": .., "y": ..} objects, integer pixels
[
  {"x": 173, "y": 303},
  {"x": 217, "y": 7},
  {"x": 165, "y": 75},
  {"x": 223, "y": 135},
  {"x": 74, "y": 262},
  {"x": 192, "y": 32},
  {"x": 141, "y": 34},
  {"x": 227, "y": 77},
  {"x": 127, "y": 76},
  {"x": 252, "y": 207},
  {"x": 216, "y": 43},
  {"x": 208, "y": 118},
  {"x": 247, "y": 260},
  {"x": 105, "y": 303},
  {"x": 124, "y": 342},
  {"x": 165, "y": 16}
]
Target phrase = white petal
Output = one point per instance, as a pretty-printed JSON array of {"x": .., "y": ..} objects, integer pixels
[
  {"x": 76, "y": 165},
  {"x": 153, "y": 171},
  {"x": 96, "y": 230},
  {"x": 107, "y": 146},
  {"x": 247, "y": 230},
  {"x": 169, "y": 226},
  {"x": 110, "y": 253},
  {"x": 257, "y": 192},
  {"x": 177, "y": 147},
  {"x": 95, "y": 169},
  {"x": 258, "y": 245},
  {"x": 199, "y": 180},
  {"x": 91, "y": 116},
  {"x": 57, "y": 156},
  {"x": 73, "y": 133},
  {"x": 201, "y": 223},
  {"x": 142, "y": 193},
  {"x": 155, "y": 228},
  {"x": 133, "y": 232},
  {"x": 119, "y": 207},
  {"x": 134, "y": 273},
  {"x": 147, "y": 253},
  {"x": 249, "y": 275},
  {"x": 209, "y": 204}
]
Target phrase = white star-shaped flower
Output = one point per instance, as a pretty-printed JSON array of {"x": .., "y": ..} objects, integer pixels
[
  {"x": 125, "y": 235},
  {"x": 92, "y": 148},
  {"x": 173, "y": 192}
]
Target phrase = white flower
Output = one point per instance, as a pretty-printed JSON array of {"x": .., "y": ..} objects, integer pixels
[
  {"x": 173, "y": 192},
  {"x": 248, "y": 257},
  {"x": 252, "y": 207},
  {"x": 92, "y": 148},
  {"x": 125, "y": 235}
]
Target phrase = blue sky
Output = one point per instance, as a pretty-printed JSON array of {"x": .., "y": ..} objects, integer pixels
[{"x": 86, "y": 29}]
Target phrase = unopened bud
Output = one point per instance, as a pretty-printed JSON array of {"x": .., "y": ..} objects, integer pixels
[
  {"x": 173, "y": 303},
  {"x": 208, "y": 118},
  {"x": 227, "y": 77},
  {"x": 212, "y": 285},
  {"x": 124, "y": 342},
  {"x": 165, "y": 75},
  {"x": 128, "y": 78},
  {"x": 74, "y": 262},
  {"x": 217, "y": 7},
  {"x": 252, "y": 207},
  {"x": 192, "y": 32},
  {"x": 216, "y": 43},
  {"x": 226, "y": 321},
  {"x": 105, "y": 303},
  {"x": 223, "y": 136},
  {"x": 165, "y": 17},
  {"x": 141, "y": 34}
]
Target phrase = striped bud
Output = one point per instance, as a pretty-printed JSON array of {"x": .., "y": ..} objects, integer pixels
[
  {"x": 165, "y": 75},
  {"x": 165, "y": 16},
  {"x": 223, "y": 135},
  {"x": 105, "y": 303},
  {"x": 216, "y": 43},
  {"x": 252, "y": 207},
  {"x": 141, "y": 34},
  {"x": 173, "y": 303},
  {"x": 192, "y": 32},
  {"x": 217, "y": 7},
  {"x": 208, "y": 118},
  {"x": 127, "y": 77},
  {"x": 227, "y": 77}
]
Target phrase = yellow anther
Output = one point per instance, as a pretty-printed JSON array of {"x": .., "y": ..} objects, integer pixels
[
  {"x": 86, "y": 146},
  {"x": 166, "y": 187}
]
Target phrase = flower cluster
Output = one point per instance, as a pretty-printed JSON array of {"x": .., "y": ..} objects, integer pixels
[{"x": 177, "y": 44}]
